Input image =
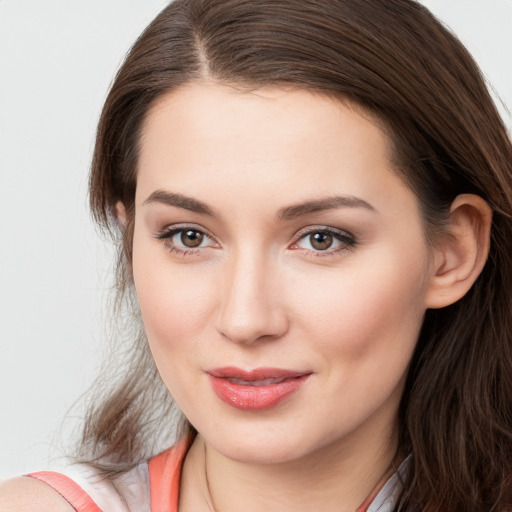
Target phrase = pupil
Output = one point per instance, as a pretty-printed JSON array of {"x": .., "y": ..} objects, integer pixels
[
  {"x": 192, "y": 238},
  {"x": 321, "y": 241}
]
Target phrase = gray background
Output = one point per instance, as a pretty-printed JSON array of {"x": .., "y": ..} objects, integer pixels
[{"x": 57, "y": 59}]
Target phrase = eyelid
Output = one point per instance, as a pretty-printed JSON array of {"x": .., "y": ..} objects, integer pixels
[
  {"x": 323, "y": 228},
  {"x": 176, "y": 228},
  {"x": 167, "y": 233},
  {"x": 347, "y": 239}
]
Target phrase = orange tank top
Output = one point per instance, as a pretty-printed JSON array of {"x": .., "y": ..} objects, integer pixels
[{"x": 164, "y": 483}]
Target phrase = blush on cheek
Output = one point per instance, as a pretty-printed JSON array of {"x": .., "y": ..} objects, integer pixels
[
  {"x": 172, "y": 309},
  {"x": 381, "y": 314}
]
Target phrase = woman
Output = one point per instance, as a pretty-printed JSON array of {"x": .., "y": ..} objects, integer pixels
[{"x": 313, "y": 202}]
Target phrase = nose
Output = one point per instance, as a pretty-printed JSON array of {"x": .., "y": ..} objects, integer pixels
[{"x": 250, "y": 309}]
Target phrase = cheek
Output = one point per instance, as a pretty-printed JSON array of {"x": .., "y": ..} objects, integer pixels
[
  {"x": 175, "y": 307},
  {"x": 175, "y": 300},
  {"x": 368, "y": 312},
  {"x": 362, "y": 326}
]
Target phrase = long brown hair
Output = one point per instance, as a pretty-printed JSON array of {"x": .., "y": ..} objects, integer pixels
[{"x": 393, "y": 59}]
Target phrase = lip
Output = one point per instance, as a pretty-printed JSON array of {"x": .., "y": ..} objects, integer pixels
[{"x": 255, "y": 390}]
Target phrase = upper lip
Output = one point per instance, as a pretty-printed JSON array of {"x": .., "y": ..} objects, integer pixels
[{"x": 232, "y": 372}]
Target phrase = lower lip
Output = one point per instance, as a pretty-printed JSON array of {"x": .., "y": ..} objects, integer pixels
[{"x": 255, "y": 398}]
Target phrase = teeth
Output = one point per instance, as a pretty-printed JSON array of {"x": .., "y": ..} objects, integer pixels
[{"x": 263, "y": 382}]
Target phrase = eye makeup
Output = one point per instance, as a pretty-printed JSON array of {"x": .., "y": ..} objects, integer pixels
[{"x": 315, "y": 240}]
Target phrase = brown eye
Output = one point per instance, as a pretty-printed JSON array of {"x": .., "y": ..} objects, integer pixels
[
  {"x": 321, "y": 241},
  {"x": 325, "y": 241},
  {"x": 191, "y": 238}
]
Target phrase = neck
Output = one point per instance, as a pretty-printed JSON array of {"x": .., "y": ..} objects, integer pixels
[{"x": 337, "y": 477}]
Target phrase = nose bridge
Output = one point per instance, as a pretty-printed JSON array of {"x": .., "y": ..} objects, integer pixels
[{"x": 249, "y": 304}]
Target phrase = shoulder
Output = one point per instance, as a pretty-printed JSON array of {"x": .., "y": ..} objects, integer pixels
[
  {"x": 83, "y": 488},
  {"x": 80, "y": 488},
  {"x": 26, "y": 494}
]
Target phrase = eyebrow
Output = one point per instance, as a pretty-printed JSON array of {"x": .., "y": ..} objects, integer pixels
[
  {"x": 328, "y": 203},
  {"x": 180, "y": 201},
  {"x": 287, "y": 213}
]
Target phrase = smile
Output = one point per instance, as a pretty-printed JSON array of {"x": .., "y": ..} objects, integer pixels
[
  {"x": 263, "y": 382},
  {"x": 255, "y": 390}
]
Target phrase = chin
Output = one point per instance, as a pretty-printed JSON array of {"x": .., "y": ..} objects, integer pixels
[
  {"x": 268, "y": 454},
  {"x": 265, "y": 445}
]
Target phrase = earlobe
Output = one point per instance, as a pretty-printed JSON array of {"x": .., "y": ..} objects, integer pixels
[
  {"x": 461, "y": 252},
  {"x": 120, "y": 215}
]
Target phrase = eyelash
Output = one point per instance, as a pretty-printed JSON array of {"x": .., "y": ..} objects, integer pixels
[
  {"x": 167, "y": 234},
  {"x": 346, "y": 240}
]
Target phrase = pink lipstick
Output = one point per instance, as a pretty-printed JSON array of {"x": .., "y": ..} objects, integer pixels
[{"x": 255, "y": 390}]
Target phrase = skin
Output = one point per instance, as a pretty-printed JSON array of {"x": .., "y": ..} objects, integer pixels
[
  {"x": 259, "y": 291},
  {"x": 256, "y": 293},
  {"x": 25, "y": 494}
]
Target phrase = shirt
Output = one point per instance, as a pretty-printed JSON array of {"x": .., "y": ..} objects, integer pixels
[{"x": 154, "y": 486}]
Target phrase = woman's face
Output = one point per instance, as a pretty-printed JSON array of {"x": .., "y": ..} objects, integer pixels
[{"x": 281, "y": 269}]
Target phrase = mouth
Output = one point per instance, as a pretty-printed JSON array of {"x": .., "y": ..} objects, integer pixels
[
  {"x": 262, "y": 382},
  {"x": 255, "y": 390}
]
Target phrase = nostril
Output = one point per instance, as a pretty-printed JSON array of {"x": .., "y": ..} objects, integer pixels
[
  {"x": 255, "y": 327},
  {"x": 249, "y": 308}
]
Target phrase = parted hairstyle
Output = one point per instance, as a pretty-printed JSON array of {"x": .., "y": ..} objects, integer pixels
[{"x": 396, "y": 61}]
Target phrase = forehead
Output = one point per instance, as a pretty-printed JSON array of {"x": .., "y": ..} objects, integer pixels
[
  {"x": 203, "y": 137},
  {"x": 213, "y": 111}
]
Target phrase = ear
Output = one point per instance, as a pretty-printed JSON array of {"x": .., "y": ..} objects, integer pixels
[
  {"x": 460, "y": 253},
  {"x": 120, "y": 214}
]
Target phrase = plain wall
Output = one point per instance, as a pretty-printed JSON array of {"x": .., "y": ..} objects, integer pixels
[{"x": 57, "y": 59}]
